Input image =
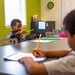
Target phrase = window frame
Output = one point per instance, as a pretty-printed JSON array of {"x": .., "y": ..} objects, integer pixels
[{"x": 9, "y": 26}]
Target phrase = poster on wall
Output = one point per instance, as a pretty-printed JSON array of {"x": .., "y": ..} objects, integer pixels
[{"x": 67, "y": 6}]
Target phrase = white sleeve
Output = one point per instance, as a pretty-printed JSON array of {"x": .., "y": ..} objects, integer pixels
[
  {"x": 9, "y": 35},
  {"x": 62, "y": 66}
]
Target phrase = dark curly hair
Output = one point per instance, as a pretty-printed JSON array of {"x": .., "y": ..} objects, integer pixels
[
  {"x": 69, "y": 22},
  {"x": 13, "y": 22}
]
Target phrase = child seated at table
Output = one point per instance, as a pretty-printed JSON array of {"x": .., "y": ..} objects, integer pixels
[
  {"x": 16, "y": 30},
  {"x": 64, "y": 65}
]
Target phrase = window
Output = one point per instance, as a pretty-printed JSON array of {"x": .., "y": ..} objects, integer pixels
[
  {"x": 15, "y": 9},
  {"x": 67, "y": 6}
]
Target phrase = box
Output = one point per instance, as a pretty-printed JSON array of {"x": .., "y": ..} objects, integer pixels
[{"x": 35, "y": 20}]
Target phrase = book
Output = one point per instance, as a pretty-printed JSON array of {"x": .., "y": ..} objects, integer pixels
[
  {"x": 18, "y": 55},
  {"x": 52, "y": 38}
]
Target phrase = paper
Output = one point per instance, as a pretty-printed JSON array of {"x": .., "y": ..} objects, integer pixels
[
  {"x": 19, "y": 55},
  {"x": 42, "y": 25},
  {"x": 43, "y": 41}
]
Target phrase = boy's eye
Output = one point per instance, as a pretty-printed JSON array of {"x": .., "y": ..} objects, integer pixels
[{"x": 19, "y": 26}]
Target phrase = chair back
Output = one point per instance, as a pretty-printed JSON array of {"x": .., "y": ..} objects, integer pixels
[
  {"x": 8, "y": 41},
  {"x": 48, "y": 34},
  {"x": 57, "y": 31},
  {"x": 13, "y": 40}
]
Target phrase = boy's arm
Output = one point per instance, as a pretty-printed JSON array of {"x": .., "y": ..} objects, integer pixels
[
  {"x": 62, "y": 66},
  {"x": 12, "y": 34},
  {"x": 50, "y": 53},
  {"x": 57, "y": 53},
  {"x": 33, "y": 67},
  {"x": 15, "y": 34},
  {"x": 20, "y": 32}
]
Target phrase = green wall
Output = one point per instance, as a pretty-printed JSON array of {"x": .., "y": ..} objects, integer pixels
[{"x": 32, "y": 6}]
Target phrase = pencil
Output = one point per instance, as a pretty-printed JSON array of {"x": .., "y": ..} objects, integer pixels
[
  {"x": 25, "y": 52},
  {"x": 38, "y": 42},
  {"x": 30, "y": 30}
]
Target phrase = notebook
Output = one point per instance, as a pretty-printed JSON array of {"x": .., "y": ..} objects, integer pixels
[
  {"x": 18, "y": 55},
  {"x": 52, "y": 38}
]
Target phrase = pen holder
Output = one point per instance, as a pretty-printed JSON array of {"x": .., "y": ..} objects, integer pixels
[{"x": 35, "y": 18}]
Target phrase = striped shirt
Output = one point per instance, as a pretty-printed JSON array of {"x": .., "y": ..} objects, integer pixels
[{"x": 19, "y": 36}]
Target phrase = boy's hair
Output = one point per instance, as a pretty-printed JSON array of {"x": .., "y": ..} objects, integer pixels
[
  {"x": 13, "y": 22},
  {"x": 69, "y": 22}
]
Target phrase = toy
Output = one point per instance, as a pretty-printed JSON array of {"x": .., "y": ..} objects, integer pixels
[{"x": 62, "y": 34}]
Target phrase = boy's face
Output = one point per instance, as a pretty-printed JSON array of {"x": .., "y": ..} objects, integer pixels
[
  {"x": 71, "y": 40},
  {"x": 17, "y": 27}
]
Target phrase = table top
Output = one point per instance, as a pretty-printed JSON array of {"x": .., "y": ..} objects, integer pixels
[{"x": 16, "y": 68}]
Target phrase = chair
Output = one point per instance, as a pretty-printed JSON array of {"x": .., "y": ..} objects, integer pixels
[
  {"x": 8, "y": 41},
  {"x": 57, "y": 31},
  {"x": 13, "y": 40},
  {"x": 48, "y": 34},
  {"x": 51, "y": 34}
]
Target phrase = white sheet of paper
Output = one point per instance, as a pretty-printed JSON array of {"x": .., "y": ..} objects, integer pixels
[
  {"x": 43, "y": 41},
  {"x": 19, "y": 55},
  {"x": 42, "y": 25}
]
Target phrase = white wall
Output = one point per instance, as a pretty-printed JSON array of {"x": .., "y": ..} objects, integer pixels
[{"x": 53, "y": 14}]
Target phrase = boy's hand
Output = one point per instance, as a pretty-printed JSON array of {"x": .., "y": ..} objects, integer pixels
[
  {"x": 20, "y": 32},
  {"x": 23, "y": 59},
  {"x": 24, "y": 32},
  {"x": 38, "y": 52}
]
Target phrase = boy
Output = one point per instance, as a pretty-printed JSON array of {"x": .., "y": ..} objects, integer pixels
[
  {"x": 16, "y": 30},
  {"x": 62, "y": 66}
]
